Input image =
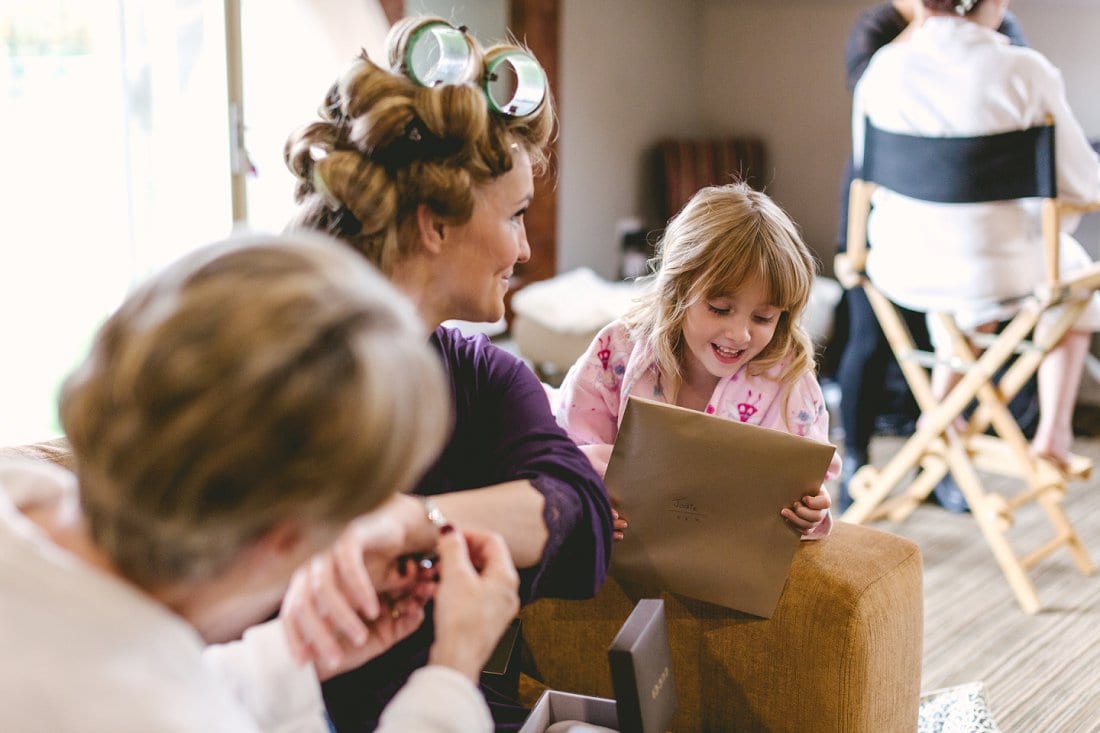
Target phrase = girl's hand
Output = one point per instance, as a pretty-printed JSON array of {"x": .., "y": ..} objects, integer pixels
[
  {"x": 618, "y": 525},
  {"x": 476, "y": 599},
  {"x": 805, "y": 515}
]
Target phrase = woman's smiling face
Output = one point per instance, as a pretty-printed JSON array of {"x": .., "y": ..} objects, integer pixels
[{"x": 485, "y": 249}]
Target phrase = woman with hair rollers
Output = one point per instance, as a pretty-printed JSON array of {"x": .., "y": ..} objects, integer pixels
[{"x": 425, "y": 168}]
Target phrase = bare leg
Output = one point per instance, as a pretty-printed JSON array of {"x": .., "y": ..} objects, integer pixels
[
  {"x": 1059, "y": 380},
  {"x": 944, "y": 378}
]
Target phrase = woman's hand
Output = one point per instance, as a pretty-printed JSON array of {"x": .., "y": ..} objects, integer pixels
[
  {"x": 476, "y": 599},
  {"x": 805, "y": 515},
  {"x": 397, "y": 620},
  {"x": 333, "y": 613}
]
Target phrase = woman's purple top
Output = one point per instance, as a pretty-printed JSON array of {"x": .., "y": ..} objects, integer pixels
[{"x": 503, "y": 431}]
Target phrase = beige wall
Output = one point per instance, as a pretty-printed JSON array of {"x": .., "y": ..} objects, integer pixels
[
  {"x": 1068, "y": 33},
  {"x": 486, "y": 19},
  {"x": 776, "y": 70},
  {"x": 628, "y": 76},
  {"x": 762, "y": 67}
]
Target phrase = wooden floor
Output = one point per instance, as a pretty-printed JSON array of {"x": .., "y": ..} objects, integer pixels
[{"x": 1041, "y": 673}]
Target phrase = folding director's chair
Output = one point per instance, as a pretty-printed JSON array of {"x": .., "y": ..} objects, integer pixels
[{"x": 1005, "y": 166}]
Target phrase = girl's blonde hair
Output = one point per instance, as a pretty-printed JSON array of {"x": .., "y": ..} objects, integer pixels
[
  {"x": 385, "y": 144},
  {"x": 723, "y": 238},
  {"x": 252, "y": 382}
]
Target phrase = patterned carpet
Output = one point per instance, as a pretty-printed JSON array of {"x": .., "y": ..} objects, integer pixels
[{"x": 1041, "y": 673}]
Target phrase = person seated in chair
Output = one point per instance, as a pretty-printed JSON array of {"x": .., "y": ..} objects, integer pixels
[
  {"x": 957, "y": 77},
  {"x": 874, "y": 397}
]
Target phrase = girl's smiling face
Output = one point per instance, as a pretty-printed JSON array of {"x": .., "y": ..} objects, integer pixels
[{"x": 723, "y": 333}]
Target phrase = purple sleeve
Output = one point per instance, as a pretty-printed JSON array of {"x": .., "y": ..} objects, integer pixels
[{"x": 504, "y": 431}]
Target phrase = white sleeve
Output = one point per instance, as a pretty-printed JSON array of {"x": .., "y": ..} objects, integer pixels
[
  {"x": 858, "y": 130},
  {"x": 1077, "y": 167},
  {"x": 437, "y": 699},
  {"x": 259, "y": 671}
]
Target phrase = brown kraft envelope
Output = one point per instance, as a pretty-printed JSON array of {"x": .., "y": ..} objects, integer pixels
[{"x": 702, "y": 496}]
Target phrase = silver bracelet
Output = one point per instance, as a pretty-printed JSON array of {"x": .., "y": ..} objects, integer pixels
[{"x": 435, "y": 515}]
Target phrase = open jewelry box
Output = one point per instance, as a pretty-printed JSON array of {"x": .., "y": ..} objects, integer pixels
[{"x": 641, "y": 676}]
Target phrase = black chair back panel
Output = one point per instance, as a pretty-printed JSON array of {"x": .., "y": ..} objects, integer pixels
[{"x": 962, "y": 170}]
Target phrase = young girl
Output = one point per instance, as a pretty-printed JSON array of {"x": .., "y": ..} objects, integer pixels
[{"x": 718, "y": 332}]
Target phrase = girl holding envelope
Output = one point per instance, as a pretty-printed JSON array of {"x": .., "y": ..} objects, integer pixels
[{"x": 718, "y": 332}]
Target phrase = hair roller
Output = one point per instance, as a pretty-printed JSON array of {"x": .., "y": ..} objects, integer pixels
[
  {"x": 405, "y": 30},
  {"x": 397, "y": 39}
]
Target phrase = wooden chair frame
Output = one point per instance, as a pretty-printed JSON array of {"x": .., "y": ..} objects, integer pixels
[{"x": 938, "y": 447}]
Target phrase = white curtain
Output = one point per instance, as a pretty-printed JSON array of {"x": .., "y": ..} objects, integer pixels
[
  {"x": 116, "y": 156},
  {"x": 116, "y": 161}
]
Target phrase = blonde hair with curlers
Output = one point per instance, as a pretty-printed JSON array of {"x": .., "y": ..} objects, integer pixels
[{"x": 385, "y": 144}]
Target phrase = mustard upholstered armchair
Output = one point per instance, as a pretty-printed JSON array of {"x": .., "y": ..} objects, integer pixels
[{"x": 841, "y": 653}]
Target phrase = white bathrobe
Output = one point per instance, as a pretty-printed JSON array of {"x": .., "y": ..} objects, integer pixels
[{"x": 957, "y": 78}]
